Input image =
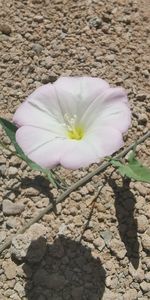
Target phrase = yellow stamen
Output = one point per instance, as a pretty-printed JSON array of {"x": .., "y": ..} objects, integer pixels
[{"x": 76, "y": 133}]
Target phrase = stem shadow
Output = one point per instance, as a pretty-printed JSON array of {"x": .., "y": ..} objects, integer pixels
[{"x": 127, "y": 224}]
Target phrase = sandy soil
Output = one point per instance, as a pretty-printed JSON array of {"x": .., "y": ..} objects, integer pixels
[{"x": 75, "y": 252}]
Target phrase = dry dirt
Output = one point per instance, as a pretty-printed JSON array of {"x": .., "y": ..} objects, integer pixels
[{"x": 75, "y": 252}]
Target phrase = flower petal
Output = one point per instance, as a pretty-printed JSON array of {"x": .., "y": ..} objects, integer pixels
[
  {"x": 109, "y": 109},
  {"x": 78, "y": 154},
  {"x": 39, "y": 145},
  {"x": 82, "y": 89},
  {"x": 105, "y": 141},
  {"x": 41, "y": 109}
]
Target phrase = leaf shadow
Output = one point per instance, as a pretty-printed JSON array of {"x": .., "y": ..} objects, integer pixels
[
  {"x": 64, "y": 269},
  {"x": 127, "y": 224},
  {"x": 40, "y": 184}
]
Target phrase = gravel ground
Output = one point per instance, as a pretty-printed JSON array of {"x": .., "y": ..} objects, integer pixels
[{"x": 79, "y": 251}]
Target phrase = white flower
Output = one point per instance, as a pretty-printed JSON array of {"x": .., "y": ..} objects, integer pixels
[{"x": 74, "y": 122}]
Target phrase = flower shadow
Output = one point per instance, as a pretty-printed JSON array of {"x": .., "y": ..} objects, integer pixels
[
  {"x": 127, "y": 225},
  {"x": 67, "y": 271}
]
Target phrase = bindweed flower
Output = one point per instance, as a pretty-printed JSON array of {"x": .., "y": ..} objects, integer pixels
[{"x": 74, "y": 122}]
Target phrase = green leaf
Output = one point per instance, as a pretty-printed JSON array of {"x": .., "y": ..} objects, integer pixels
[
  {"x": 133, "y": 169},
  {"x": 10, "y": 130}
]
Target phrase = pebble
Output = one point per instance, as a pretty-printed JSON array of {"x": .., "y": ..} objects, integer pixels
[
  {"x": 38, "y": 18},
  {"x": 31, "y": 245},
  {"x": 137, "y": 274},
  {"x": 2, "y": 170},
  {"x": 110, "y": 57},
  {"x": 146, "y": 241},
  {"x": 10, "y": 269},
  {"x": 95, "y": 22},
  {"x": 5, "y": 29},
  {"x": 145, "y": 286},
  {"x": 142, "y": 119},
  {"x": 88, "y": 236},
  {"x": 12, "y": 171},
  {"x": 20, "y": 289},
  {"x": 10, "y": 208},
  {"x": 142, "y": 223},
  {"x": 130, "y": 295},
  {"x": 2, "y": 236},
  {"x": 107, "y": 236},
  {"x": 140, "y": 188},
  {"x": 141, "y": 97},
  {"x": 118, "y": 248},
  {"x": 99, "y": 243},
  {"x": 37, "y": 48}
]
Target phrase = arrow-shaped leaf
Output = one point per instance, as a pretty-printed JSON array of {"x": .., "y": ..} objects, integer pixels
[{"x": 133, "y": 169}]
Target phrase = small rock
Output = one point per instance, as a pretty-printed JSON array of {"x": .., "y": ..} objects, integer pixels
[
  {"x": 137, "y": 274},
  {"x": 48, "y": 62},
  {"x": 110, "y": 57},
  {"x": 84, "y": 191},
  {"x": 147, "y": 277},
  {"x": 37, "y": 48},
  {"x": 88, "y": 236},
  {"x": 62, "y": 229},
  {"x": 10, "y": 208},
  {"x": 145, "y": 286},
  {"x": 5, "y": 29},
  {"x": 31, "y": 245},
  {"x": 9, "y": 269},
  {"x": 20, "y": 289},
  {"x": 118, "y": 248},
  {"x": 12, "y": 171},
  {"x": 2, "y": 170},
  {"x": 141, "y": 188},
  {"x": 146, "y": 241},
  {"x": 130, "y": 295},
  {"x": 142, "y": 119},
  {"x": 99, "y": 243},
  {"x": 107, "y": 236},
  {"x": 11, "y": 222},
  {"x": 142, "y": 223},
  {"x": 38, "y": 18},
  {"x": 108, "y": 295},
  {"x": 95, "y": 22},
  {"x": 2, "y": 236},
  {"x": 77, "y": 221},
  {"x": 100, "y": 207},
  {"x": 141, "y": 96},
  {"x": 111, "y": 282}
]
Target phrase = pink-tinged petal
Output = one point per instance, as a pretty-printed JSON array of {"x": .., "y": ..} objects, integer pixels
[
  {"x": 30, "y": 115},
  {"x": 78, "y": 154},
  {"x": 83, "y": 89},
  {"x": 39, "y": 145},
  {"x": 105, "y": 141},
  {"x": 110, "y": 109},
  {"x": 40, "y": 107}
]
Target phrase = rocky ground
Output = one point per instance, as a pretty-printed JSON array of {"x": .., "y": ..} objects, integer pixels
[{"x": 76, "y": 252}]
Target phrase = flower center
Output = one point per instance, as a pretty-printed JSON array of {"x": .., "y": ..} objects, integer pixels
[{"x": 74, "y": 131}]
